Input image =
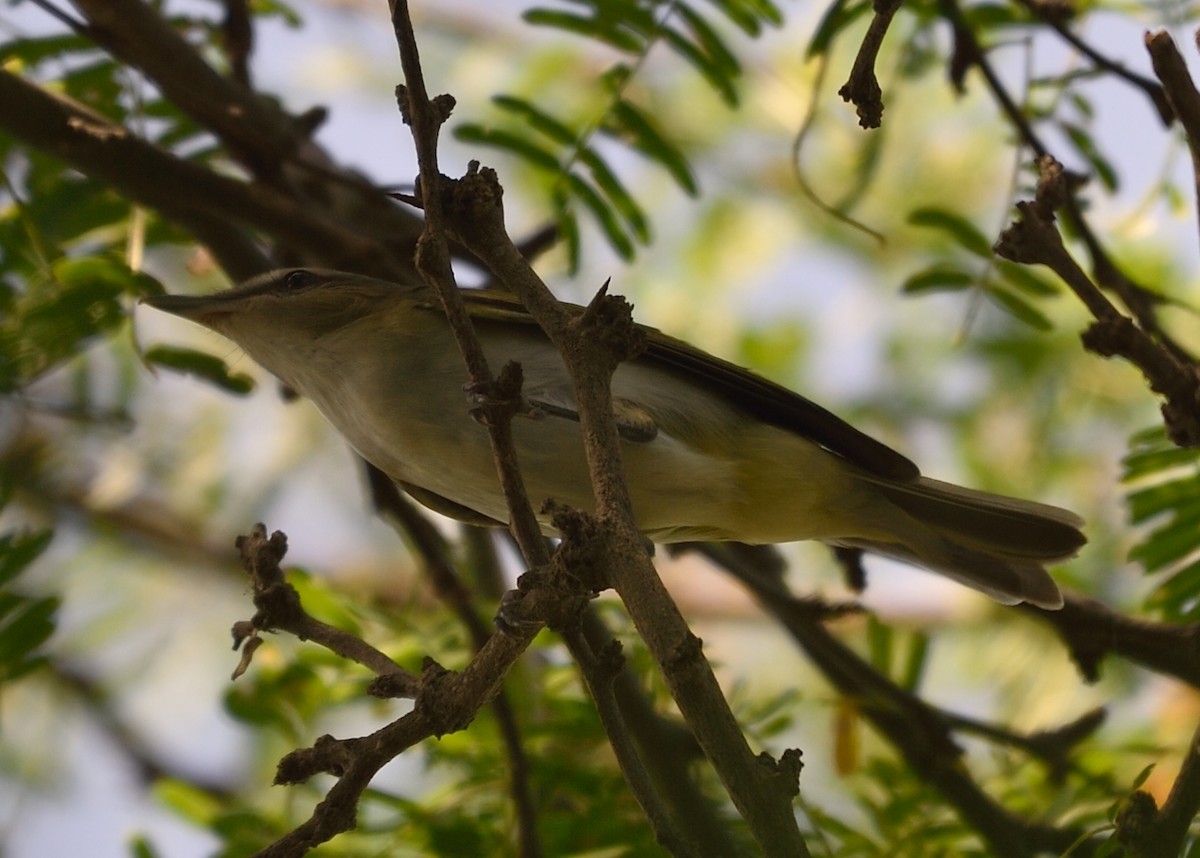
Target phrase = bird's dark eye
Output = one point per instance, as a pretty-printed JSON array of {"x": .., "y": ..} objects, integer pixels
[{"x": 298, "y": 279}]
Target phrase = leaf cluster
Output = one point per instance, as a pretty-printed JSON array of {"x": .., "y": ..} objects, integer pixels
[{"x": 569, "y": 153}]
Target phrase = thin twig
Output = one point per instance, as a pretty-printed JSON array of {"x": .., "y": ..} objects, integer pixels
[
  {"x": 1042, "y": 11},
  {"x": 279, "y": 609},
  {"x": 1034, "y": 239},
  {"x": 592, "y": 345},
  {"x": 216, "y": 208},
  {"x": 237, "y": 32},
  {"x": 425, "y": 117},
  {"x": 969, "y": 53},
  {"x": 449, "y": 586},
  {"x": 862, "y": 89},
  {"x": 1181, "y": 93},
  {"x": 919, "y": 732}
]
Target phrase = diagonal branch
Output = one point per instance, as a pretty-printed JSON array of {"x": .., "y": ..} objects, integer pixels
[
  {"x": 279, "y": 609},
  {"x": 1051, "y": 15},
  {"x": 1034, "y": 239},
  {"x": 1091, "y": 631},
  {"x": 450, "y": 587},
  {"x": 192, "y": 196},
  {"x": 425, "y": 117},
  {"x": 918, "y": 731},
  {"x": 969, "y": 53},
  {"x": 1168, "y": 830},
  {"x": 592, "y": 347},
  {"x": 591, "y": 351},
  {"x": 1181, "y": 93}
]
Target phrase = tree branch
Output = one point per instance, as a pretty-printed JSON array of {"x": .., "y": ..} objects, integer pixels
[
  {"x": 761, "y": 791},
  {"x": 190, "y": 195},
  {"x": 1091, "y": 631},
  {"x": 1171, "y": 69},
  {"x": 1049, "y": 13},
  {"x": 1034, "y": 239},
  {"x": 862, "y": 89},
  {"x": 919, "y": 732},
  {"x": 279, "y": 609},
  {"x": 969, "y": 53},
  {"x": 449, "y": 586},
  {"x": 444, "y": 702},
  {"x": 1168, "y": 831}
]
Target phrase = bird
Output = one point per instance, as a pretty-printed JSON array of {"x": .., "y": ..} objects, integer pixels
[{"x": 711, "y": 451}]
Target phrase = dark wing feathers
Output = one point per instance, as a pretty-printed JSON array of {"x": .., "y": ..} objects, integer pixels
[{"x": 769, "y": 402}]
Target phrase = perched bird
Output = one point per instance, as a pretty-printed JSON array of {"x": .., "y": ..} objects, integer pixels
[{"x": 711, "y": 451}]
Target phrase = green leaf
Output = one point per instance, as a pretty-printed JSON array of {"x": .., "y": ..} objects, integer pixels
[
  {"x": 631, "y": 124},
  {"x": 189, "y": 801},
  {"x": 537, "y": 119},
  {"x": 611, "y": 227},
  {"x": 1082, "y": 104},
  {"x": 1143, "y": 462},
  {"x": 141, "y": 847},
  {"x": 601, "y": 31},
  {"x": 708, "y": 41},
  {"x": 568, "y": 228},
  {"x": 1142, "y": 777},
  {"x": 880, "y": 640},
  {"x": 191, "y": 362},
  {"x": 840, "y": 15},
  {"x": 709, "y": 68},
  {"x": 743, "y": 15},
  {"x": 25, "y": 624},
  {"x": 29, "y": 51},
  {"x": 53, "y": 320},
  {"x": 500, "y": 139},
  {"x": 1193, "y": 850},
  {"x": 1169, "y": 544},
  {"x": 938, "y": 279},
  {"x": 1182, "y": 494},
  {"x": 767, "y": 11},
  {"x": 1020, "y": 308},
  {"x": 1026, "y": 279},
  {"x": 1086, "y": 147},
  {"x": 19, "y": 550},
  {"x": 1178, "y": 597},
  {"x": 914, "y": 665},
  {"x": 91, "y": 271},
  {"x": 958, "y": 228},
  {"x": 991, "y": 15},
  {"x": 621, "y": 199}
]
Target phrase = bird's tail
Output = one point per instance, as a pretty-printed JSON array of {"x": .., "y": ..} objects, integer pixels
[{"x": 995, "y": 544}]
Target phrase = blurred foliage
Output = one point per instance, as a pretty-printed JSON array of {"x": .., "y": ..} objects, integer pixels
[
  {"x": 557, "y": 149},
  {"x": 26, "y": 620},
  {"x": 1165, "y": 498},
  {"x": 1014, "y": 406}
]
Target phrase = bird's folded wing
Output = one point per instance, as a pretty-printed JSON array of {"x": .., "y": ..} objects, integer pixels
[{"x": 769, "y": 402}]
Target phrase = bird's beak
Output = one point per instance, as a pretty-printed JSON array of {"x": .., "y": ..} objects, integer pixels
[
  {"x": 207, "y": 310},
  {"x": 180, "y": 305}
]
